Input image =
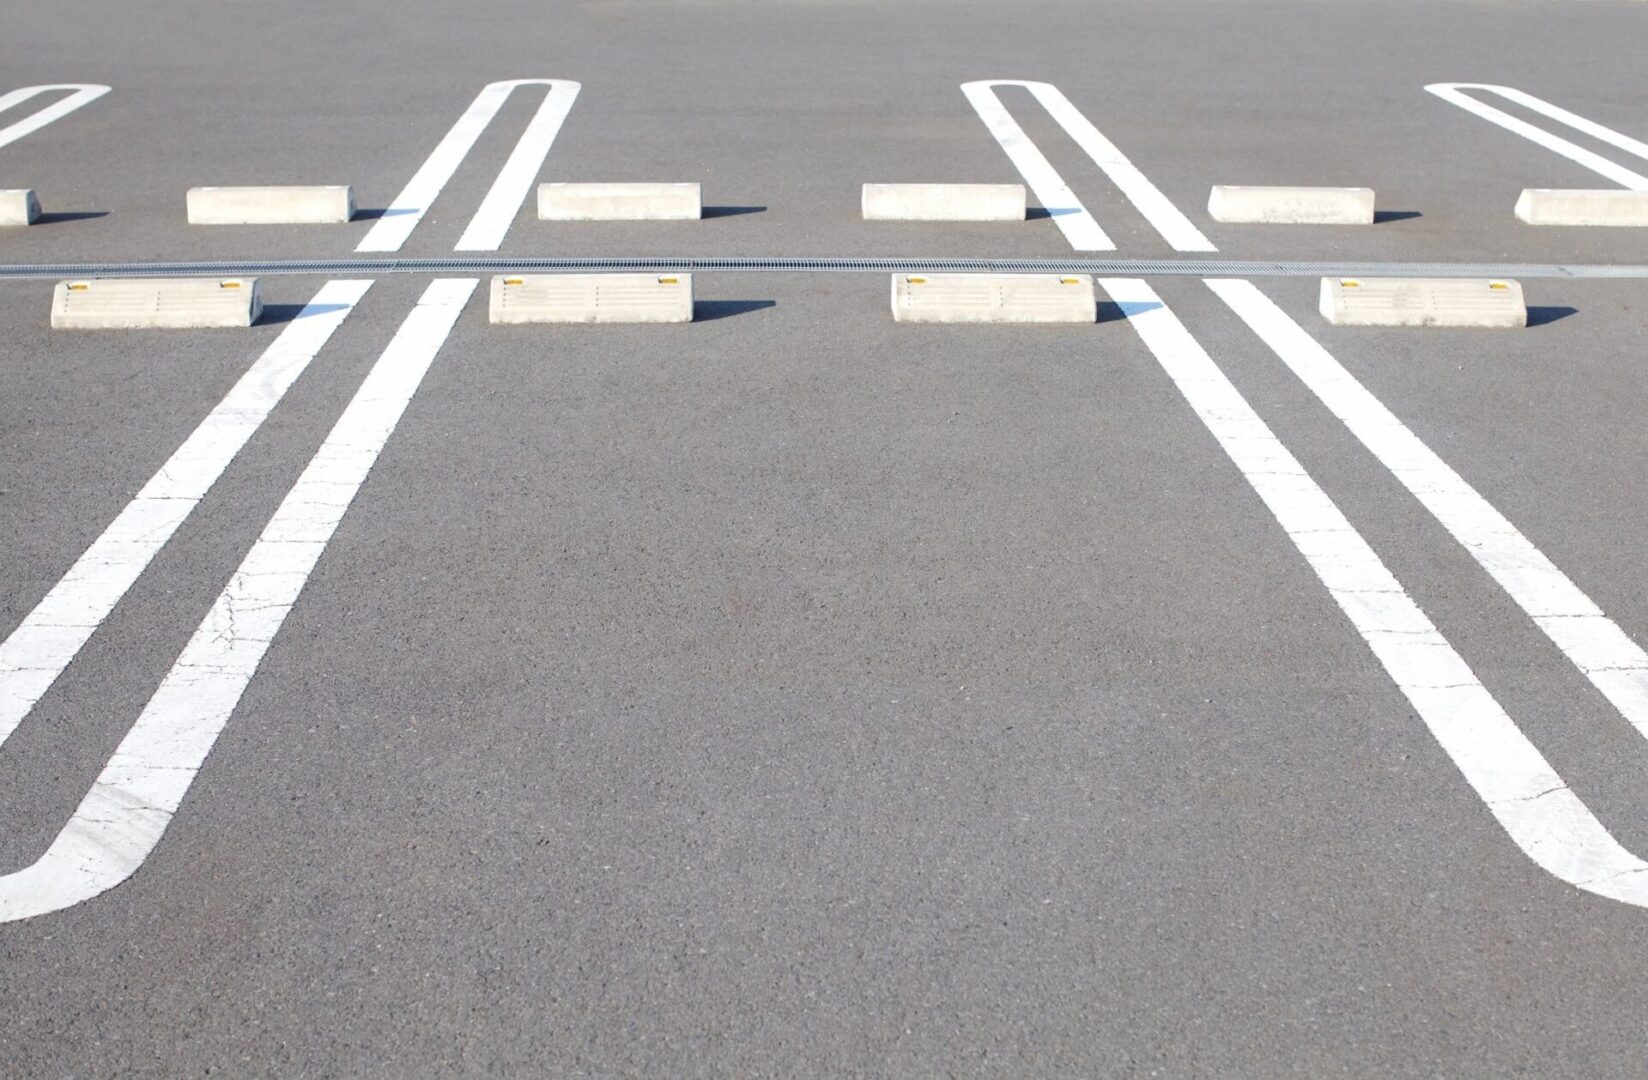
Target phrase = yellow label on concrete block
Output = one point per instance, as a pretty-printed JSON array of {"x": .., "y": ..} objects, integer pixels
[{"x": 591, "y": 298}]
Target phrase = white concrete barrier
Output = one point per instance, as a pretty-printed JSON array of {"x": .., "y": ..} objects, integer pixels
[
  {"x": 1423, "y": 302},
  {"x": 173, "y": 303},
  {"x": 1291, "y": 205},
  {"x": 943, "y": 202},
  {"x": 591, "y": 298},
  {"x": 619, "y": 202},
  {"x": 994, "y": 298},
  {"x": 270, "y": 205},
  {"x": 1607, "y": 206},
  {"x": 18, "y": 206}
]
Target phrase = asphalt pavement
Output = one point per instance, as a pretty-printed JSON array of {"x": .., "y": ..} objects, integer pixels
[{"x": 794, "y": 692}]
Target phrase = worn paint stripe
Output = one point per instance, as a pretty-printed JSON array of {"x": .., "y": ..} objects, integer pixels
[
  {"x": 51, "y": 635},
  {"x": 1521, "y": 789},
  {"x": 128, "y": 808}
]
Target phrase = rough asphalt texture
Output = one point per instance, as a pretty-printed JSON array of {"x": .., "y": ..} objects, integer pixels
[{"x": 794, "y": 693}]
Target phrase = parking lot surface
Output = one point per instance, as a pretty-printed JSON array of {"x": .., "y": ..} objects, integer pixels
[{"x": 1205, "y": 690}]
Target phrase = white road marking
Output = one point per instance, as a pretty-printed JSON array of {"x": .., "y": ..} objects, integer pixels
[
  {"x": 127, "y": 810},
  {"x": 1055, "y": 195},
  {"x": 509, "y": 191},
  {"x": 1615, "y": 664},
  {"x": 1619, "y": 174},
  {"x": 486, "y": 230},
  {"x": 1072, "y": 217},
  {"x": 83, "y": 94},
  {"x": 50, "y": 636},
  {"x": 1533, "y": 804}
]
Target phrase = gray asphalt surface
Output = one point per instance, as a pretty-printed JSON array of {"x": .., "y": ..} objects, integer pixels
[{"x": 794, "y": 692}]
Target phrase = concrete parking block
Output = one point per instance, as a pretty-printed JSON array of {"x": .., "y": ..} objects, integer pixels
[
  {"x": 1460, "y": 302},
  {"x": 1606, "y": 207},
  {"x": 619, "y": 202},
  {"x": 994, "y": 298},
  {"x": 270, "y": 205},
  {"x": 143, "y": 303},
  {"x": 943, "y": 202},
  {"x": 591, "y": 298},
  {"x": 18, "y": 206},
  {"x": 1291, "y": 205}
]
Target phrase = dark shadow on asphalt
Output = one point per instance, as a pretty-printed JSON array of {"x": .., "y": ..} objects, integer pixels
[
  {"x": 375, "y": 214},
  {"x": 69, "y": 215},
  {"x": 1539, "y": 316},
  {"x": 274, "y": 314},
  {"x": 1109, "y": 311},
  {"x": 731, "y": 211},
  {"x": 710, "y": 310},
  {"x": 1382, "y": 216}
]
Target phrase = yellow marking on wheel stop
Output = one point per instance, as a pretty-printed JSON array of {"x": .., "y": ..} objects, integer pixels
[{"x": 176, "y": 303}]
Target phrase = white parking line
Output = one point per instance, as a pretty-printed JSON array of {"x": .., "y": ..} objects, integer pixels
[
  {"x": 83, "y": 94},
  {"x": 1067, "y": 211},
  {"x": 1532, "y": 803},
  {"x": 486, "y": 230},
  {"x": 50, "y": 636},
  {"x": 1615, "y": 664},
  {"x": 126, "y": 812},
  {"x": 1619, "y": 174},
  {"x": 509, "y": 191},
  {"x": 1055, "y": 195}
]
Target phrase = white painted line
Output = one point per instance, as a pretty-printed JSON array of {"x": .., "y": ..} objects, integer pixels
[
  {"x": 1531, "y": 802},
  {"x": 52, "y": 634},
  {"x": 1454, "y": 302},
  {"x": 18, "y": 207},
  {"x": 590, "y": 298},
  {"x": 1238, "y": 204},
  {"x": 83, "y": 94},
  {"x": 619, "y": 202},
  {"x": 994, "y": 298},
  {"x": 1055, "y": 195},
  {"x": 126, "y": 812},
  {"x": 1452, "y": 92},
  {"x": 508, "y": 191},
  {"x": 1163, "y": 216},
  {"x": 290, "y": 205},
  {"x": 1606, "y": 208},
  {"x": 1596, "y": 645},
  {"x": 943, "y": 202}
]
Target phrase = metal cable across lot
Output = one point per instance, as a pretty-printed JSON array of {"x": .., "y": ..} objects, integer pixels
[{"x": 1111, "y": 267}]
